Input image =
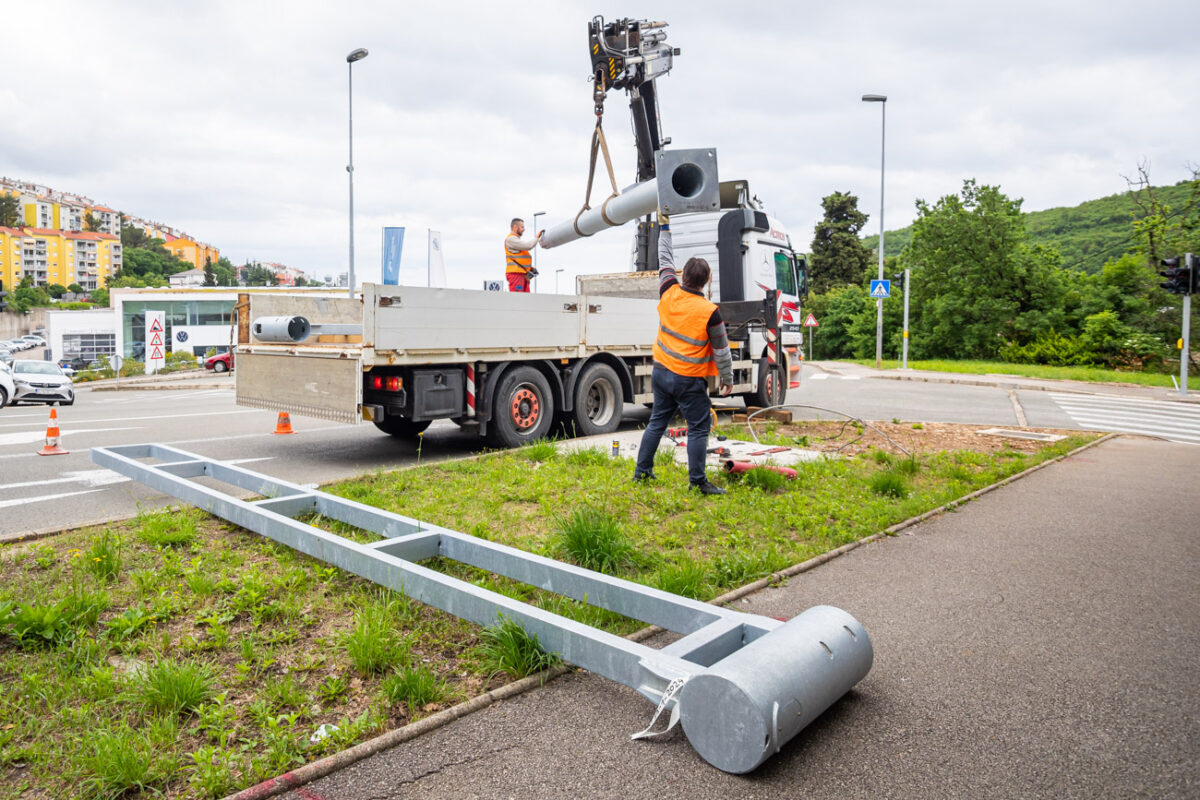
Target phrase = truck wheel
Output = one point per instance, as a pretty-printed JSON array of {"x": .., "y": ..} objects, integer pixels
[
  {"x": 772, "y": 386},
  {"x": 401, "y": 428},
  {"x": 598, "y": 401},
  {"x": 523, "y": 409}
]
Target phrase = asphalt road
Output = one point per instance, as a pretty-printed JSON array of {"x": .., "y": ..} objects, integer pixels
[{"x": 1039, "y": 642}]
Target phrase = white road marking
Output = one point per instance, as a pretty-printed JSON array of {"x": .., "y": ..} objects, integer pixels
[
  {"x": 29, "y": 437},
  {"x": 20, "y": 501},
  {"x": 1177, "y": 422}
]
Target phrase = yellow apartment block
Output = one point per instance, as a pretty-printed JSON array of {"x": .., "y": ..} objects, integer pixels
[
  {"x": 195, "y": 253},
  {"x": 63, "y": 257}
]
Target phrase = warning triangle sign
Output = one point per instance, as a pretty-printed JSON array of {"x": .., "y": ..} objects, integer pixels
[
  {"x": 156, "y": 326},
  {"x": 156, "y": 339},
  {"x": 810, "y": 321},
  {"x": 156, "y": 354}
]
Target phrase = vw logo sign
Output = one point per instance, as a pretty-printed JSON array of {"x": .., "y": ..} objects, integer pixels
[{"x": 181, "y": 336}]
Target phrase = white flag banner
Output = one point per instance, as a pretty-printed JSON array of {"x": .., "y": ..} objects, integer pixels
[{"x": 437, "y": 266}]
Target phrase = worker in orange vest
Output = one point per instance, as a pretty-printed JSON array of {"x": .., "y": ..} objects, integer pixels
[
  {"x": 519, "y": 261},
  {"x": 691, "y": 346}
]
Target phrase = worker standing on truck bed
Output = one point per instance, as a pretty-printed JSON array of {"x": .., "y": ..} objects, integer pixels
[
  {"x": 519, "y": 267},
  {"x": 691, "y": 345}
]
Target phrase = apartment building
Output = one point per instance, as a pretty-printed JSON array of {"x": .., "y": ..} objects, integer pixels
[
  {"x": 54, "y": 256},
  {"x": 193, "y": 252}
]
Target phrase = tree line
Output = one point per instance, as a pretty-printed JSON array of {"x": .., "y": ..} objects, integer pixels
[{"x": 981, "y": 288}]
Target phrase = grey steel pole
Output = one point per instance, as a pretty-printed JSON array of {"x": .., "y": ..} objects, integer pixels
[
  {"x": 1187, "y": 330},
  {"x": 557, "y": 272},
  {"x": 882, "y": 100},
  {"x": 355, "y": 55},
  {"x": 905, "y": 340}
]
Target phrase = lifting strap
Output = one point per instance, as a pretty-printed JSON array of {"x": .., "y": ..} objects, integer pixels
[{"x": 599, "y": 145}]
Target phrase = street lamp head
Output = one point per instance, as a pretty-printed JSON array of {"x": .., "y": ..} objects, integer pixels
[
  {"x": 874, "y": 98},
  {"x": 356, "y": 55}
]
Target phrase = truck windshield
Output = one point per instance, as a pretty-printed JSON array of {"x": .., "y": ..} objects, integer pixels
[{"x": 785, "y": 275}]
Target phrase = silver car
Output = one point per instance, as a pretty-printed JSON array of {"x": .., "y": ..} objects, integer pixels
[{"x": 41, "y": 382}]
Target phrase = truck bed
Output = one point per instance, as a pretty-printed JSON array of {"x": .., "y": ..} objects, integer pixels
[{"x": 404, "y": 325}]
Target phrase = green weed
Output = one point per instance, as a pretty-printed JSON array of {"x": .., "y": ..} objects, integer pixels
[
  {"x": 907, "y": 466},
  {"x": 130, "y": 622},
  {"x": 174, "y": 687},
  {"x": 765, "y": 479},
  {"x": 333, "y": 688},
  {"x": 416, "y": 686},
  {"x": 541, "y": 450},
  {"x": 169, "y": 528},
  {"x": 688, "y": 579},
  {"x": 103, "y": 558},
  {"x": 889, "y": 483},
  {"x": 213, "y": 771},
  {"x": 587, "y": 457},
  {"x": 121, "y": 760},
  {"x": 375, "y": 644},
  {"x": 507, "y": 647},
  {"x": 593, "y": 539}
]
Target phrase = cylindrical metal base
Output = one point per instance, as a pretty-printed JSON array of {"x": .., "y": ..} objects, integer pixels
[{"x": 743, "y": 709}]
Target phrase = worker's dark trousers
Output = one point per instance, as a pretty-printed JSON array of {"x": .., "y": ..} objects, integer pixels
[{"x": 688, "y": 396}]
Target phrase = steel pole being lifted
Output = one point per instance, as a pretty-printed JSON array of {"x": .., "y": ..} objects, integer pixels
[{"x": 687, "y": 181}]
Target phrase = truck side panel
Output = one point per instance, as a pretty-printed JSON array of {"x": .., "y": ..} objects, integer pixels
[{"x": 299, "y": 381}]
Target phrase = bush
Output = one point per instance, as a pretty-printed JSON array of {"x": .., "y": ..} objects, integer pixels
[{"x": 1052, "y": 349}]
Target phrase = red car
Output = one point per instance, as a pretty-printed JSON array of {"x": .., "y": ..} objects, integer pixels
[{"x": 221, "y": 362}]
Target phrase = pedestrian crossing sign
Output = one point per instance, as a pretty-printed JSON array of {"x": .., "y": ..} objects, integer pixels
[{"x": 881, "y": 289}]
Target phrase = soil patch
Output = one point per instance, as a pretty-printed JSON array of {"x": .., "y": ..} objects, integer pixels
[{"x": 848, "y": 438}]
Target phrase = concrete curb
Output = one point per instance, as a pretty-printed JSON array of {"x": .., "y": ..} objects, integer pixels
[
  {"x": 158, "y": 387},
  {"x": 319, "y": 769}
]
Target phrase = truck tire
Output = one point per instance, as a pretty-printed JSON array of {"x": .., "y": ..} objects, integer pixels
[
  {"x": 401, "y": 428},
  {"x": 772, "y": 386},
  {"x": 598, "y": 401},
  {"x": 523, "y": 409}
]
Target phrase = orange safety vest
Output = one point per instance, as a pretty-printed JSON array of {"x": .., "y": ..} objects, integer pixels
[
  {"x": 520, "y": 261},
  {"x": 682, "y": 345}
]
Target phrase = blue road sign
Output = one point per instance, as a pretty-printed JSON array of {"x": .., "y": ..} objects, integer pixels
[{"x": 881, "y": 289}]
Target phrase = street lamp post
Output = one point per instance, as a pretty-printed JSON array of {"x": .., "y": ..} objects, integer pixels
[
  {"x": 537, "y": 214},
  {"x": 557, "y": 272},
  {"x": 882, "y": 100},
  {"x": 355, "y": 55}
]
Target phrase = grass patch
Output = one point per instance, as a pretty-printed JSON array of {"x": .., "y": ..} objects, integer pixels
[{"x": 1087, "y": 374}]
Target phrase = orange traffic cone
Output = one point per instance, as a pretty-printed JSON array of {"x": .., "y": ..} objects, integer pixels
[
  {"x": 53, "y": 439},
  {"x": 284, "y": 424}
]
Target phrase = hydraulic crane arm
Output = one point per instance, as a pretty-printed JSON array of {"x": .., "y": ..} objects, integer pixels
[{"x": 630, "y": 54}]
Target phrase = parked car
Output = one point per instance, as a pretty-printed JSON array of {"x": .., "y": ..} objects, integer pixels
[
  {"x": 6, "y": 355},
  {"x": 221, "y": 362},
  {"x": 8, "y": 387},
  {"x": 41, "y": 382},
  {"x": 34, "y": 340},
  {"x": 17, "y": 345}
]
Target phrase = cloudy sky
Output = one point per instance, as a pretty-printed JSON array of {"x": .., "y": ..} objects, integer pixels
[{"x": 228, "y": 119}]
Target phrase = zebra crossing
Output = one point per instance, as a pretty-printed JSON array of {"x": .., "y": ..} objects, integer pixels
[{"x": 1178, "y": 422}]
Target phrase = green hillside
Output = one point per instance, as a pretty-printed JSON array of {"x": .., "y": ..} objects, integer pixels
[{"x": 1087, "y": 235}]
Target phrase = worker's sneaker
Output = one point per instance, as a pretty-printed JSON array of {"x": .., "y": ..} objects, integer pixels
[
  {"x": 708, "y": 488},
  {"x": 641, "y": 477}
]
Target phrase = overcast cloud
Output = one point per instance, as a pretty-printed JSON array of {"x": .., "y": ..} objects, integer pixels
[{"x": 229, "y": 119}]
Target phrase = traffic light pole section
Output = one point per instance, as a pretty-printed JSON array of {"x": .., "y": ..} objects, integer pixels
[{"x": 1187, "y": 329}]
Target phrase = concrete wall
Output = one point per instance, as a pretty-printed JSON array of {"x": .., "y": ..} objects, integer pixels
[{"x": 12, "y": 325}]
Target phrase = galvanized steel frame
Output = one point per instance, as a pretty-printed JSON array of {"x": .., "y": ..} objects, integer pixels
[{"x": 709, "y": 633}]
